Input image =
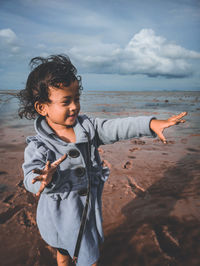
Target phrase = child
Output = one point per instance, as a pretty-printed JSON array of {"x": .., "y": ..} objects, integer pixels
[{"x": 62, "y": 164}]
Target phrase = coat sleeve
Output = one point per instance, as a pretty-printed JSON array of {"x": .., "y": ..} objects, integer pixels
[
  {"x": 36, "y": 156},
  {"x": 112, "y": 130}
]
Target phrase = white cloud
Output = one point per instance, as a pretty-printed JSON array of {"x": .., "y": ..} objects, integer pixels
[
  {"x": 9, "y": 43},
  {"x": 41, "y": 46},
  {"x": 146, "y": 53},
  {"x": 15, "y": 49},
  {"x": 8, "y": 36}
]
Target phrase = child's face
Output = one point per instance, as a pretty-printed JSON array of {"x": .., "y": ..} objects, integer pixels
[{"x": 64, "y": 107}]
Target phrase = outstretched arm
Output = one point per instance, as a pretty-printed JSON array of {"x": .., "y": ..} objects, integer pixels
[
  {"x": 111, "y": 130},
  {"x": 158, "y": 126}
]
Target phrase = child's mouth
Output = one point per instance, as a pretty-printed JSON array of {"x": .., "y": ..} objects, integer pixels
[{"x": 72, "y": 116}]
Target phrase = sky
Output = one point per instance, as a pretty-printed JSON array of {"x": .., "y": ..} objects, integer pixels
[{"x": 121, "y": 45}]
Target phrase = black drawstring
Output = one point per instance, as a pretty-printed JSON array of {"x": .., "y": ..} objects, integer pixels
[{"x": 85, "y": 210}]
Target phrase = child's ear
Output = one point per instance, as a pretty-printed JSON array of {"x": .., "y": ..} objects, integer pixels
[{"x": 40, "y": 108}]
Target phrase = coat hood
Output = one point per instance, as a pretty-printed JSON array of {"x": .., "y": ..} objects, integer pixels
[{"x": 46, "y": 134}]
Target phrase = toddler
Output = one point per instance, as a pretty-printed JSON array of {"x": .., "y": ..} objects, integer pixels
[{"x": 61, "y": 162}]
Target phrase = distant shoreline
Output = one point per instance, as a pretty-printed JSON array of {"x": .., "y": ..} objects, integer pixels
[{"x": 13, "y": 92}]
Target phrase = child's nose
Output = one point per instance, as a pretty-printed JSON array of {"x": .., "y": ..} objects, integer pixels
[{"x": 73, "y": 106}]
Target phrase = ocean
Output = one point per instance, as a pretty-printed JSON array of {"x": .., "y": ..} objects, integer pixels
[{"x": 112, "y": 104}]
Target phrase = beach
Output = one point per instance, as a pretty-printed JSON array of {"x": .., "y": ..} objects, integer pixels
[{"x": 151, "y": 201}]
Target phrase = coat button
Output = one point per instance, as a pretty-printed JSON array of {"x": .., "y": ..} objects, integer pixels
[
  {"x": 82, "y": 192},
  {"x": 80, "y": 171},
  {"x": 73, "y": 153}
]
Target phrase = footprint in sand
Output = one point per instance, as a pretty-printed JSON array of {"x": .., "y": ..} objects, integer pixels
[
  {"x": 7, "y": 215},
  {"x": 193, "y": 150},
  {"x": 166, "y": 242},
  {"x": 20, "y": 184},
  {"x": 134, "y": 149},
  {"x": 8, "y": 198},
  {"x": 3, "y": 172},
  {"x": 26, "y": 218},
  {"x": 136, "y": 189},
  {"x": 131, "y": 157},
  {"x": 3, "y": 187},
  {"x": 138, "y": 142},
  {"x": 171, "y": 142},
  {"x": 127, "y": 165},
  {"x": 168, "y": 141}
]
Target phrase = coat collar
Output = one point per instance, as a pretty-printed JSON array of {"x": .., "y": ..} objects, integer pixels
[{"x": 79, "y": 130}]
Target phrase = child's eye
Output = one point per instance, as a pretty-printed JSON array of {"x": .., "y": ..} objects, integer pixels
[{"x": 66, "y": 103}]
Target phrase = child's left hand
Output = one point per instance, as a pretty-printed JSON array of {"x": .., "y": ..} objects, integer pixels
[{"x": 158, "y": 126}]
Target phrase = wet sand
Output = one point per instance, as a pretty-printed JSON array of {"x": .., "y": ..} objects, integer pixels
[{"x": 151, "y": 203}]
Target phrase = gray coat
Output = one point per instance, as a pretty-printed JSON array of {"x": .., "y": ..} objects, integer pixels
[{"x": 60, "y": 206}]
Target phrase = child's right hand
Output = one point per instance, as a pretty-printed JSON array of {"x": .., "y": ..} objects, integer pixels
[{"x": 45, "y": 175}]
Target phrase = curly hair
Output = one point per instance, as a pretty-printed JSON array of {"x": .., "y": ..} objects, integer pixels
[{"x": 56, "y": 71}]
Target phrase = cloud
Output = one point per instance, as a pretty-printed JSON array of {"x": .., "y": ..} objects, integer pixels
[
  {"x": 146, "y": 53},
  {"x": 8, "y": 35},
  {"x": 8, "y": 42}
]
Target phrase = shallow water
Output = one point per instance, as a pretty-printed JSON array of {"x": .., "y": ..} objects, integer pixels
[{"x": 111, "y": 104}]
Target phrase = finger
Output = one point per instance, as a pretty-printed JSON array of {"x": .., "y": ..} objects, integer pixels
[
  {"x": 174, "y": 122},
  {"x": 42, "y": 187},
  {"x": 48, "y": 165},
  {"x": 180, "y": 121},
  {"x": 177, "y": 117},
  {"x": 181, "y": 115},
  {"x": 162, "y": 137},
  {"x": 37, "y": 178},
  {"x": 37, "y": 171},
  {"x": 60, "y": 160}
]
